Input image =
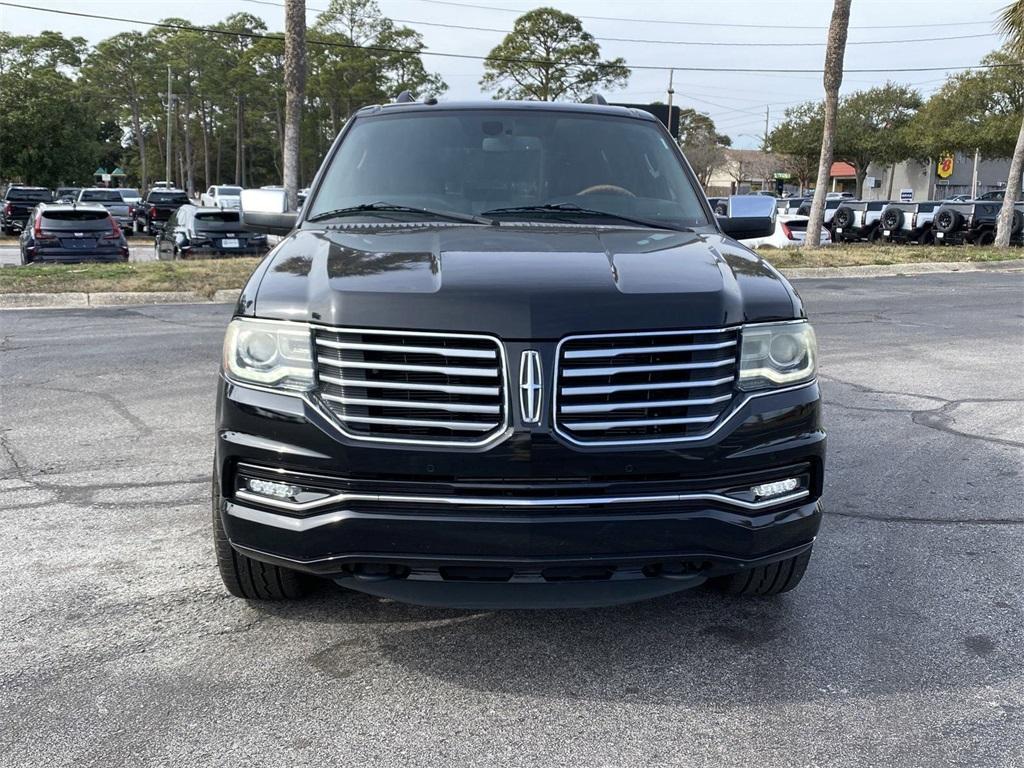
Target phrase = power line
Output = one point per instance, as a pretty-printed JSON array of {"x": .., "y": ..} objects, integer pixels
[
  {"x": 442, "y": 54},
  {"x": 519, "y": 11},
  {"x": 704, "y": 43}
]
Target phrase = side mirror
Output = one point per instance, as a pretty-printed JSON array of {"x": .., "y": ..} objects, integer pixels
[
  {"x": 266, "y": 211},
  {"x": 749, "y": 216}
]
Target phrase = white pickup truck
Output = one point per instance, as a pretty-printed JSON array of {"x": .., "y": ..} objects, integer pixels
[{"x": 221, "y": 196}]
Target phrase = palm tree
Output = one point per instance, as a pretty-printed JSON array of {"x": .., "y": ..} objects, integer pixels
[
  {"x": 1011, "y": 25},
  {"x": 834, "y": 53},
  {"x": 295, "y": 93}
]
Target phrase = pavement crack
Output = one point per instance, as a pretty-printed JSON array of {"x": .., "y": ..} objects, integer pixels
[
  {"x": 864, "y": 389},
  {"x": 925, "y": 520},
  {"x": 142, "y": 428},
  {"x": 938, "y": 418},
  {"x": 12, "y": 457},
  {"x": 177, "y": 323},
  {"x": 941, "y": 419}
]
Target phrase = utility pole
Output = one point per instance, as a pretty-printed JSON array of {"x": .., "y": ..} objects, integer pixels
[
  {"x": 170, "y": 101},
  {"x": 764, "y": 145},
  {"x": 671, "y": 91}
]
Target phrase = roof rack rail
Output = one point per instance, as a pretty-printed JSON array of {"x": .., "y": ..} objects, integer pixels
[
  {"x": 597, "y": 98},
  {"x": 405, "y": 97}
]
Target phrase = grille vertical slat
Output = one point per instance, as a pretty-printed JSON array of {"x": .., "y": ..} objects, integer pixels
[
  {"x": 413, "y": 387},
  {"x": 644, "y": 387}
]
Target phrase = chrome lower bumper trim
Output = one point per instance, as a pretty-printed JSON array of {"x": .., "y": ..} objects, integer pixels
[{"x": 291, "y": 523}]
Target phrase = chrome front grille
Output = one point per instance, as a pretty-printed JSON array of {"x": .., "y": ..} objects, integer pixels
[
  {"x": 406, "y": 386},
  {"x": 644, "y": 387}
]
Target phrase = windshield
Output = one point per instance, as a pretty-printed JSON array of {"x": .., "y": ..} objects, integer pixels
[
  {"x": 476, "y": 161},
  {"x": 72, "y": 218},
  {"x": 217, "y": 221},
  {"x": 129, "y": 194},
  {"x": 229, "y": 191},
  {"x": 30, "y": 195},
  {"x": 101, "y": 196},
  {"x": 168, "y": 197}
]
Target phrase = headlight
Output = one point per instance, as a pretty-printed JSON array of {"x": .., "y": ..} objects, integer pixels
[
  {"x": 777, "y": 355},
  {"x": 273, "y": 354}
]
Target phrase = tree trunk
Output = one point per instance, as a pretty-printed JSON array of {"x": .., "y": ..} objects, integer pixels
[
  {"x": 1005, "y": 220},
  {"x": 834, "y": 53},
  {"x": 861, "y": 174},
  {"x": 190, "y": 181},
  {"x": 295, "y": 93},
  {"x": 140, "y": 140},
  {"x": 241, "y": 140},
  {"x": 238, "y": 141},
  {"x": 159, "y": 142},
  {"x": 205, "y": 117}
]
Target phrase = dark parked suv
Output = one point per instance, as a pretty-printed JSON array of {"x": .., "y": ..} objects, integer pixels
[
  {"x": 974, "y": 222},
  {"x": 193, "y": 232},
  {"x": 17, "y": 205},
  {"x": 507, "y": 356},
  {"x": 72, "y": 233}
]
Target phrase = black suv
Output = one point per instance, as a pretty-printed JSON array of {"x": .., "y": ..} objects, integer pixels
[
  {"x": 72, "y": 233},
  {"x": 194, "y": 232},
  {"x": 17, "y": 206},
  {"x": 974, "y": 223},
  {"x": 508, "y": 357}
]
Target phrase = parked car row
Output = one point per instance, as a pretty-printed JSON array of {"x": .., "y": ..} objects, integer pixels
[
  {"x": 929, "y": 222},
  {"x": 790, "y": 225},
  {"x": 73, "y": 224}
]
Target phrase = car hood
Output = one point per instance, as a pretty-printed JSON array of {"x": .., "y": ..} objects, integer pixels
[{"x": 528, "y": 282}]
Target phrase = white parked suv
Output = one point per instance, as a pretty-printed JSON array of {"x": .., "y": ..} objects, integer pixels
[
  {"x": 790, "y": 232},
  {"x": 221, "y": 196}
]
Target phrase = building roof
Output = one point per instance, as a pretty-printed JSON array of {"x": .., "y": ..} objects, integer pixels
[{"x": 841, "y": 170}]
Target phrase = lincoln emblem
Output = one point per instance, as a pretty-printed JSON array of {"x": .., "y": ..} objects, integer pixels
[{"x": 530, "y": 387}]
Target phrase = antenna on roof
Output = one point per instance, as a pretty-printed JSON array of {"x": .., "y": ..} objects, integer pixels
[
  {"x": 405, "y": 97},
  {"x": 597, "y": 98}
]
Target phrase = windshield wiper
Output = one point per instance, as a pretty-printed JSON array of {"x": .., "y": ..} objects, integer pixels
[
  {"x": 576, "y": 210},
  {"x": 396, "y": 208}
]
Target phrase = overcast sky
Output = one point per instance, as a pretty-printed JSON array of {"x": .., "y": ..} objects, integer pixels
[{"x": 765, "y": 34}]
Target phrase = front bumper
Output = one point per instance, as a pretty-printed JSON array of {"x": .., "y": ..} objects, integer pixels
[{"x": 531, "y": 520}]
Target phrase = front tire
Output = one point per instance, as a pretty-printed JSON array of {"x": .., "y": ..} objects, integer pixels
[
  {"x": 765, "y": 580},
  {"x": 248, "y": 578}
]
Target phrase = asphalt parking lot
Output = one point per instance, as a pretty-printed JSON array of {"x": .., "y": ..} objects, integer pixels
[{"x": 903, "y": 646}]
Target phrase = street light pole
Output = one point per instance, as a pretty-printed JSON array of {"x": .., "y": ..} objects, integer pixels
[{"x": 170, "y": 98}]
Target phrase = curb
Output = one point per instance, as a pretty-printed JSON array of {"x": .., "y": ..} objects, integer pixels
[
  {"x": 903, "y": 270},
  {"x": 230, "y": 296},
  {"x": 111, "y": 299}
]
